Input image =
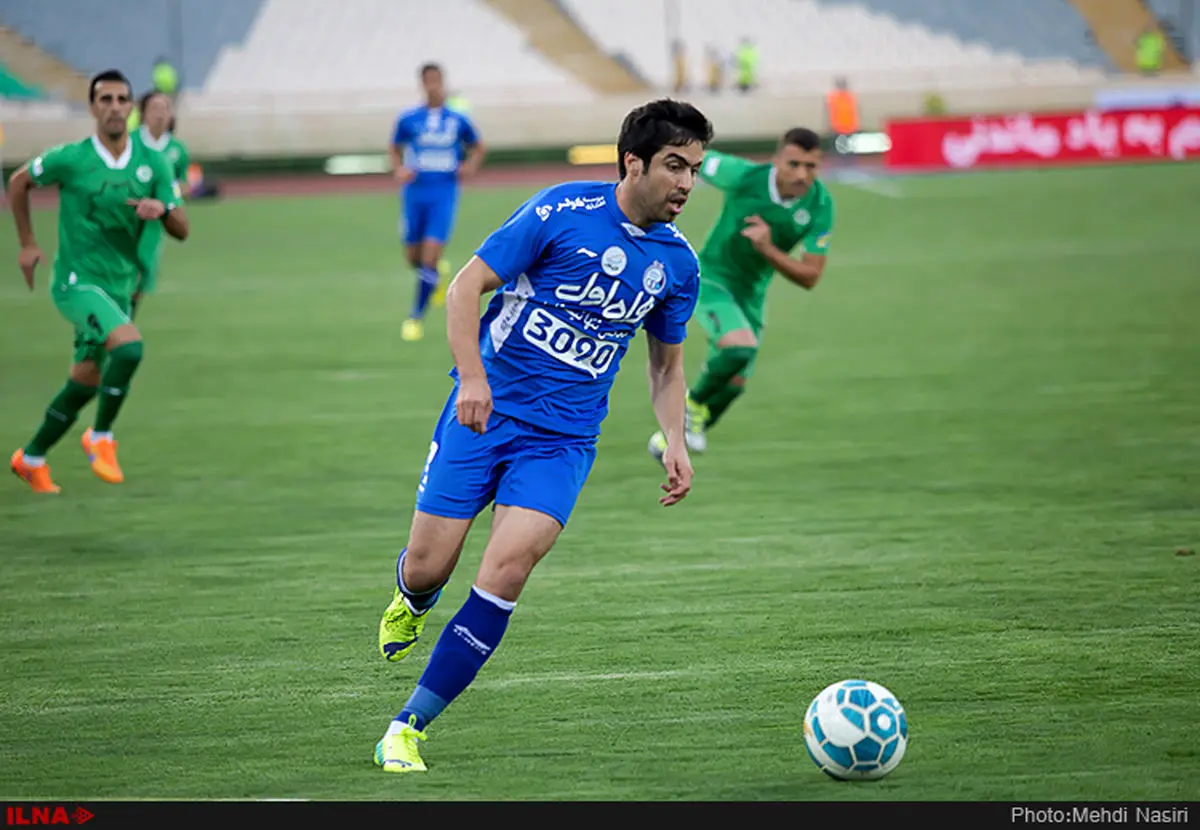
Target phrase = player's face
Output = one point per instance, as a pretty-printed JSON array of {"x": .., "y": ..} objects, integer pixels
[
  {"x": 158, "y": 114},
  {"x": 434, "y": 86},
  {"x": 663, "y": 186},
  {"x": 111, "y": 107},
  {"x": 795, "y": 170}
]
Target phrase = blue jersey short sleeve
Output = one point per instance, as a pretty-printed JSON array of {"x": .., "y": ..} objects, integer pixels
[
  {"x": 514, "y": 247},
  {"x": 669, "y": 320},
  {"x": 579, "y": 281}
]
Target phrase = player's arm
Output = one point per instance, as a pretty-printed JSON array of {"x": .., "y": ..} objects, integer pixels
[
  {"x": 722, "y": 170},
  {"x": 666, "y": 329},
  {"x": 45, "y": 169},
  {"x": 503, "y": 257},
  {"x": 181, "y": 173},
  {"x": 804, "y": 270},
  {"x": 668, "y": 388},
  {"x": 167, "y": 202},
  {"x": 396, "y": 152},
  {"x": 476, "y": 149}
]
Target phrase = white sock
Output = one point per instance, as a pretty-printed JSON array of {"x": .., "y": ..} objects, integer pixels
[
  {"x": 101, "y": 436},
  {"x": 35, "y": 460}
]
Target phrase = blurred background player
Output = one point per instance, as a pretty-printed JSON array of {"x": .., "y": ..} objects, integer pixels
[
  {"x": 155, "y": 134},
  {"x": 768, "y": 210},
  {"x": 110, "y": 188},
  {"x": 433, "y": 148}
]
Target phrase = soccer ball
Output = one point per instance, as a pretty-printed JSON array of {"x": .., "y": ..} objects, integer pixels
[{"x": 856, "y": 730}]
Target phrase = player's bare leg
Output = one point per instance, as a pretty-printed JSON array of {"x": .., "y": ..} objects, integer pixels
[
  {"x": 520, "y": 538},
  {"x": 423, "y": 568},
  {"x": 124, "y": 349},
  {"x": 518, "y": 541}
]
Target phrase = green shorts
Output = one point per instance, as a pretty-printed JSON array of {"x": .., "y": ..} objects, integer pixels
[
  {"x": 719, "y": 312},
  {"x": 94, "y": 313},
  {"x": 149, "y": 252}
]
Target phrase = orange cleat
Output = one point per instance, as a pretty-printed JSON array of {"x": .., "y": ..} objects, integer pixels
[
  {"x": 38, "y": 478},
  {"x": 102, "y": 453}
]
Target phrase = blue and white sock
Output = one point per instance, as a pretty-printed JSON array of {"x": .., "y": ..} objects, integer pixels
[
  {"x": 467, "y": 641},
  {"x": 427, "y": 280}
]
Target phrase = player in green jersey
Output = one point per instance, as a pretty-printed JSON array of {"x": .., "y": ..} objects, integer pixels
[
  {"x": 771, "y": 211},
  {"x": 110, "y": 189},
  {"x": 155, "y": 134}
]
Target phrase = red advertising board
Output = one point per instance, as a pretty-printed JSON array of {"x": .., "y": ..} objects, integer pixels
[{"x": 1050, "y": 139}]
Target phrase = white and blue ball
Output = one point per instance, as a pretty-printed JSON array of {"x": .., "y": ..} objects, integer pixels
[{"x": 856, "y": 730}]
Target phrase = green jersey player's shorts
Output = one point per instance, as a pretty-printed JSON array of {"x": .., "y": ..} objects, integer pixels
[
  {"x": 719, "y": 312},
  {"x": 93, "y": 312}
]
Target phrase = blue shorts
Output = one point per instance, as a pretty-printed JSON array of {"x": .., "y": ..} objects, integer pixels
[
  {"x": 428, "y": 214},
  {"x": 513, "y": 463}
]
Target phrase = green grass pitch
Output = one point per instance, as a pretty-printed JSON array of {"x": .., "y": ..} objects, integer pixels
[{"x": 965, "y": 469}]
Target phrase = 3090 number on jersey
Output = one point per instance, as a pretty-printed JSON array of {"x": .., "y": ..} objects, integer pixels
[{"x": 567, "y": 344}]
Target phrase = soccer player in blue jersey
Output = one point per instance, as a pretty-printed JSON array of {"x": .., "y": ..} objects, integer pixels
[
  {"x": 577, "y": 270},
  {"x": 433, "y": 148}
]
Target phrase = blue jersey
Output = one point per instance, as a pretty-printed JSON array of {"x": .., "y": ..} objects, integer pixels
[
  {"x": 435, "y": 142},
  {"x": 579, "y": 281}
]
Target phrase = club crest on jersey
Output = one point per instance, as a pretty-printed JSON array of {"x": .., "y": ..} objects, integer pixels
[
  {"x": 614, "y": 261},
  {"x": 144, "y": 173},
  {"x": 802, "y": 217},
  {"x": 654, "y": 278}
]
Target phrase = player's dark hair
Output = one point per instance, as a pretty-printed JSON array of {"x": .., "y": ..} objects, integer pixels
[
  {"x": 429, "y": 67},
  {"x": 802, "y": 137},
  {"x": 658, "y": 124},
  {"x": 145, "y": 100},
  {"x": 107, "y": 75}
]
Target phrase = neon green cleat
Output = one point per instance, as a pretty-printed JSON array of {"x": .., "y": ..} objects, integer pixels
[
  {"x": 438, "y": 300},
  {"x": 697, "y": 418},
  {"x": 397, "y": 749},
  {"x": 412, "y": 330},
  {"x": 399, "y": 629}
]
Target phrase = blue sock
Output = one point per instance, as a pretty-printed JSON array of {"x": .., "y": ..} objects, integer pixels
[
  {"x": 427, "y": 280},
  {"x": 465, "y": 644},
  {"x": 418, "y": 602}
]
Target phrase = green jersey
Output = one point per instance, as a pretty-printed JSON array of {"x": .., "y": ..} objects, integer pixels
[
  {"x": 98, "y": 230},
  {"x": 727, "y": 256},
  {"x": 173, "y": 150}
]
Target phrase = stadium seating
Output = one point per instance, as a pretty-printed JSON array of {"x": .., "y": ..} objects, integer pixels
[
  {"x": 804, "y": 42},
  {"x": 132, "y": 34},
  {"x": 367, "y": 51},
  {"x": 373, "y": 48}
]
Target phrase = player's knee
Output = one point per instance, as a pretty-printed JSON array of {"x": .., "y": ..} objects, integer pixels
[
  {"x": 737, "y": 358},
  {"x": 86, "y": 373},
  {"x": 506, "y": 576},
  {"x": 130, "y": 353},
  {"x": 741, "y": 338},
  {"x": 426, "y": 565}
]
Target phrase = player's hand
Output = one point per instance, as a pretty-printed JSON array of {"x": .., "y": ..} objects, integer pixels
[
  {"x": 468, "y": 170},
  {"x": 757, "y": 231},
  {"x": 404, "y": 175},
  {"x": 679, "y": 473},
  {"x": 28, "y": 259},
  {"x": 474, "y": 404},
  {"x": 147, "y": 208}
]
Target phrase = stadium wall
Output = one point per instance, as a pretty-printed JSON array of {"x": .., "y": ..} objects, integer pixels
[{"x": 260, "y": 135}]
